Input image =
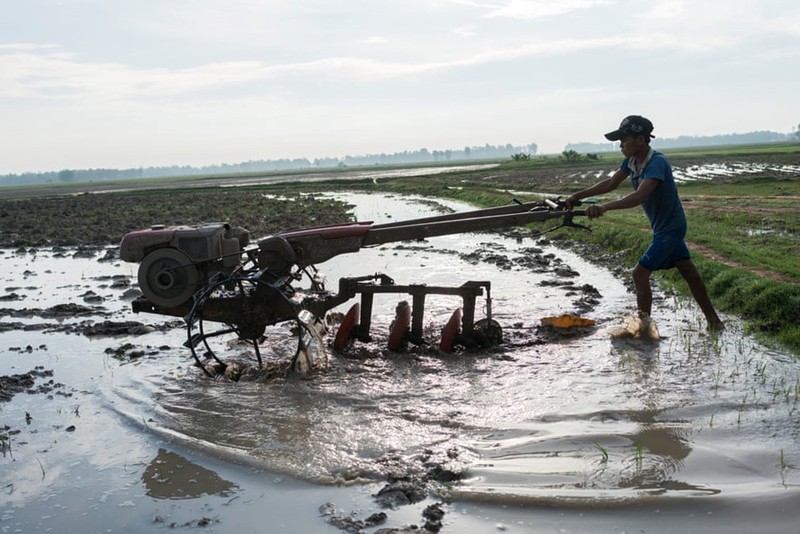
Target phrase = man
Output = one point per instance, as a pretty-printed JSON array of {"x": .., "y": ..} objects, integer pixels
[{"x": 654, "y": 189}]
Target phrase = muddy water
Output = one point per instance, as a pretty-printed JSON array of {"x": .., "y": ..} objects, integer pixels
[{"x": 126, "y": 427}]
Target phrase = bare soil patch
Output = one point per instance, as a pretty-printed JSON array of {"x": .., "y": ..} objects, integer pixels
[{"x": 102, "y": 219}]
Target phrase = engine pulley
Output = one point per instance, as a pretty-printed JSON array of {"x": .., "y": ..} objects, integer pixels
[{"x": 167, "y": 277}]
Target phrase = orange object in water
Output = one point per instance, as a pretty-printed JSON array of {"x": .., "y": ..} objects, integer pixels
[
  {"x": 399, "y": 327},
  {"x": 345, "y": 331},
  {"x": 450, "y": 332},
  {"x": 567, "y": 321}
]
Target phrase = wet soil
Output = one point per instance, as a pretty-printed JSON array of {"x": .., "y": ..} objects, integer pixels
[
  {"x": 13, "y": 384},
  {"x": 87, "y": 221},
  {"x": 405, "y": 485}
]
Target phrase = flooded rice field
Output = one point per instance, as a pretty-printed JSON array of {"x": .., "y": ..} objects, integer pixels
[
  {"x": 107, "y": 426},
  {"x": 733, "y": 169},
  {"x": 706, "y": 171}
]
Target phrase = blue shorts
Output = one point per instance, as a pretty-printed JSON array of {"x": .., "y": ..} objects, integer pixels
[{"x": 665, "y": 250}]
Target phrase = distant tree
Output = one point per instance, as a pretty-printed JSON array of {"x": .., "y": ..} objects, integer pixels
[
  {"x": 571, "y": 155},
  {"x": 521, "y": 157},
  {"x": 421, "y": 155}
]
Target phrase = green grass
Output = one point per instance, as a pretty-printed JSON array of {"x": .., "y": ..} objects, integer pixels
[
  {"x": 764, "y": 149},
  {"x": 758, "y": 191},
  {"x": 759, "y": 243}
]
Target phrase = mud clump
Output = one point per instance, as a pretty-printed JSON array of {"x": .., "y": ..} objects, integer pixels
[
  {"x": 401, "y": 492},
  {"x": 433, "y": 516},
  {"x": 59, "y": 311},
  {"x": 588, "y": 297},
  {"x": 201, "y": 522},
  {"x": 13, "y": 384},
  {"x": 349, "y": 523},
  {"x": 408, "y": 481},
  {"x": 83, "y": 251},
  {"x": 10, "y": 385},
  {"x": 90, "y": 297},
  {"x": 89, "y": 328},
  {"x": 501, "y": 261},
  {"x": 117, "y": 328},
  {"x": 129, "y": 351}
]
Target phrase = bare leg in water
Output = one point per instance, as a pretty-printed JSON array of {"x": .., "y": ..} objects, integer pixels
[
  {"x": 644, "y": 295},
  {"x": 698, "y": 288}
]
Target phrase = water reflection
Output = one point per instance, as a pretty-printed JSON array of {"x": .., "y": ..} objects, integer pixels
[
  {"x": 659, "y": 452},
  {"x": 660, "y": 445},
  {"x": 171, "y": 476}
]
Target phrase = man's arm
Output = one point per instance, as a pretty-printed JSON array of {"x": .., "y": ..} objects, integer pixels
[
  {"x": 600, "y": 188},
  {"x": 636, "y": 198}
]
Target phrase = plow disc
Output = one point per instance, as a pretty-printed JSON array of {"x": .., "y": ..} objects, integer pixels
[
  {"x": 450, "y": 332},
  {"x": 399, "y": 331},
  {"x": 344, "y": 335}
]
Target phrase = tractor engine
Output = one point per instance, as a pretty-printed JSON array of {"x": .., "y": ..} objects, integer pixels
[{"x": 176, "y": 260}]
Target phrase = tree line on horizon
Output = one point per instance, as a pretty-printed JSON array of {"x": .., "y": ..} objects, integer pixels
[
  {"x": 685, "y": 141},
  {"x": 422, "y": 155}
]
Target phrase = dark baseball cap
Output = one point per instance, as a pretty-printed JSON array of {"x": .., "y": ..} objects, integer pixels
[{"x": 631, "y": 125}]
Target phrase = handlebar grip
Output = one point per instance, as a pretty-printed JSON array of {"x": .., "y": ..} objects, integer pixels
[
  {"x": 579, "y": 212},
  {"x": 560, "y": 204}
]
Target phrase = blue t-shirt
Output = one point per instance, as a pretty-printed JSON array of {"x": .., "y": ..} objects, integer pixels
[{"x": 663, "y": 207}]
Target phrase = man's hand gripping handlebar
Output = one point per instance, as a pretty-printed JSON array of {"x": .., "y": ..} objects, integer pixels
[{"x": 565, "y": 206}]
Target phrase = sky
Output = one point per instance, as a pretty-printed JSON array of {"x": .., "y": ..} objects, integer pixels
[{"x": 140, "y": 83}]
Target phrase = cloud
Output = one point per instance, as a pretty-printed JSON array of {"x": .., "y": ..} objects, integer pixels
[
  {"x": 27, "y": 72},
  {"x": 45, "y": 71},
  {"x": 375, "y": 40},
  {"x": 62, "y": 75},
  {"x": 473, "y": 3},
  {"x": 718, "y": 24},
  {"x": 466, "y": 31},
  {"x": 25, "y": 46},
  {"x": 533, "y": 9}
]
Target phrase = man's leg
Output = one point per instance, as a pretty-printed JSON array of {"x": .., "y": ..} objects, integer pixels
[
  {"x": 644, "y": 295},
  {"x": 698, "y": 288}
]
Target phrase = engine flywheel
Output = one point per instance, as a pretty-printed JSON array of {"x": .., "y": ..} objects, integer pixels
[{"x": 167, "y": 277}]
